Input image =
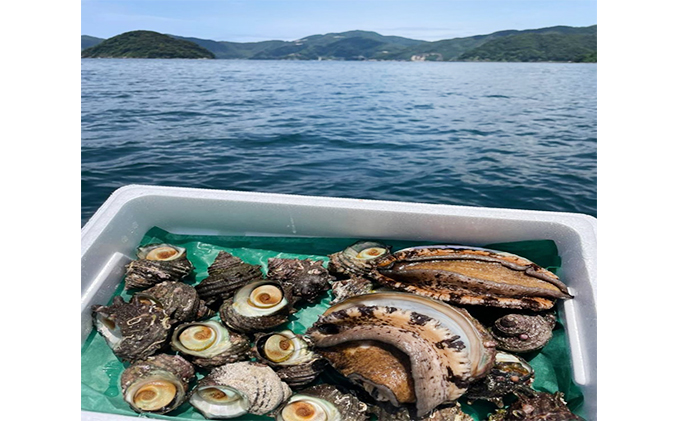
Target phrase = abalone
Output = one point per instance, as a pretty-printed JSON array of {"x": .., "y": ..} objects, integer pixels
[
  {"x": 157, "y": 263},
  {"x": 307, "y": 278},
  {"x": 322, "y": 402},
  {"x": 157, "y": 384},
  {"x": 290, "y": 355},
  {"x": 133, "y": 330},
  {"x": 258, "y": 306},
  {"x": 470, "y": 276},
  {"x": 209, "y": 344},
  {"x": 231, "y": 390},
  {"x": 226, "y": 275},
  {"x": 522, "y": 333},
  {"x": 440, "y": 366},
  {"x": 179, "y": 300}
]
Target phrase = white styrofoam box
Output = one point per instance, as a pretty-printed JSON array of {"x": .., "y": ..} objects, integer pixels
[{"x": 110, "y": 237}]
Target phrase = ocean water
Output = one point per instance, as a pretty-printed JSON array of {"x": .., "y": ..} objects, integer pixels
[{"x": 510, "y": 135}]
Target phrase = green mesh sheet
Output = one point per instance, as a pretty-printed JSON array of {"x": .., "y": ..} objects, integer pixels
[{"x": 101, "y": 370}]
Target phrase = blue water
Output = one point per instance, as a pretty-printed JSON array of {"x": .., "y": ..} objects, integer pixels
[{"x": 512, "y": 135}]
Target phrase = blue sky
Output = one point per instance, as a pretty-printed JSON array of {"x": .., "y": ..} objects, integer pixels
[{"x": 259, "y": 20}]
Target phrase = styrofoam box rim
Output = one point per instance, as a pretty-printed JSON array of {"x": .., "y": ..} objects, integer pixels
[{"x": 110, "y": 236}]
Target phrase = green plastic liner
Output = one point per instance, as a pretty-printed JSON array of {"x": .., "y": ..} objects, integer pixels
[{"x": 101, "y": 369}]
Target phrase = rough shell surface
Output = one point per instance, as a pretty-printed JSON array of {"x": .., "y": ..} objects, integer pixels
[
  {"x": 144, "y": 273},
  {"x": 308, "y": 279},
  {"x": 264, "y": 389},
  {"x": 536, "y": 406},
  {"x": 228, "y": 347},
  {"x": 179, "y": 300},
  {"x": 226, "y": 275},
  {"x": 133, "y": 330},
  {"x": 356, "y": 259},
  {"x": 509, "y": 374},
  {"x": 346, "y": 288},
  {"x": 440, "y": 366},
  {"x": 301, "y": 368},
  {"x": 161, "y": 366},
  {"x": 471, "y": 276},
  {"x": 349, "y": 407},
  {"x": 452, "y": 412},
  {"x": 236, "y": 320},
  {"x": 523, "y": 332}
]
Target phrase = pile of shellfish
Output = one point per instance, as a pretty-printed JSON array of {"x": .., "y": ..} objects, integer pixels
[{"x": 398, "y": 342}]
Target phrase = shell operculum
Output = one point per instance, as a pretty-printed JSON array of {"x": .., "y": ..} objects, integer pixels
[
  {"x": 471, "y": 276},
  {"x": 290, "y": 355},
  {"x": 322, "y": 402},
  {"x": 158, "y": 384},
  {"x": 234, "y": 389},
  {"x": 209, "y": 343},
  {"x": 357, "y": 259},
  {"x": 157, "y": 263},
  {"x": 257, "y": 306}
]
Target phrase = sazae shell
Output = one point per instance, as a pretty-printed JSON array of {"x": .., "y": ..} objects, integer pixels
[
  {"x": 133, "y": 330},
  {"x": 470, "y": 276},
  {"x": 157, "y": 263},
  {"x": 308, "y": 279},
  {"x": 179, "y": 300},
  {"x": 157, "y": 384},
  {"x": 257, "y": 306},
  {"x": 357, "y": 259},
  {"x": 322, "y": 402},
  {"x": 235, "y": 389},
  {"x": 290, "y": 355},
  {"x": 226, "y": 275},
  {"x": 209, "y": 344}
]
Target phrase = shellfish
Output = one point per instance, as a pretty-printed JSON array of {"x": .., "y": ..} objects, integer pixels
[
  {"x": 451, "y": 412},
  {"x": 226, "y": 275},
  {"x": 470, "y": 276},
  {"x": 346, "y": 288},
  {"x": 238, "y": 388},
  {"x": 157, "y": 263},
  {"x": 157, "y": 384},
  {"x": 357, "y": 259},
  {"x": 133, "y": 330},
  {"x": 446, "y": 348},
  {"x": 322, "y": 402},
  {"x": 257, "y": 306},
  {"x": 536, "y": 406},
  {"x": 523, "y": 332},
  {"x": 509, "y": 374},
  {"x": 307, "y": 278},
  {"x": 290, "y": 355},
  {"x": 179, "y": 300},
  {"x": 209, "y": 344}
]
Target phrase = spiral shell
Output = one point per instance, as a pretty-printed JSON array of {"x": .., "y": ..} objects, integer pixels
[
  {"x": 209, "y": 344},
  {"x": 157, "y": 263},
  {"x": 257, "y": 306}
]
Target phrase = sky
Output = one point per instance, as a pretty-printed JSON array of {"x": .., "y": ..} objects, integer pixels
[{"x": 261, "y": 20}]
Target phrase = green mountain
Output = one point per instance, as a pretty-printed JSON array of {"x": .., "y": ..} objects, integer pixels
[
  {"x": 145, "y": 44},
  {"x": 557, "y": 43},
  {"x": 87, "y": 41},
  {"x": 537, "y": 47},
  {"x": 454, "y": 49}
]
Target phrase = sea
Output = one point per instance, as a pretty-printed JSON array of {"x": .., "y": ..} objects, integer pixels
[{"x": 503, "y": 135}]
